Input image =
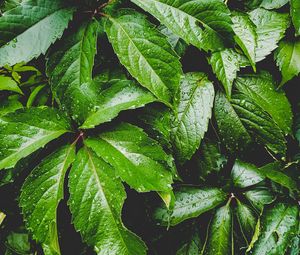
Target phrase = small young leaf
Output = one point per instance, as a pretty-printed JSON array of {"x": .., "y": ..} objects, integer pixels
[
  {"x": 7, "y": 83},
  {"x": 204, "y": 24},
  {"x": 42, "y": 192},
  {"x": 137, "y": 159},
  {"x": 295, "y": 12},
  {"x": 190, "y": 202},
  {"x": 29, "y": 29},
  {"x": 287, "y": 58},
  {"x": 193, "y": 109},
  {"x": 26, "y": 130},
  {"x": 219, "y": 235},
  {"x": 270, "y": 28},
  {"x": 145, "y": 53},
  {"x": 279, "y": 226},
  {"x": 96, "y": 200}
]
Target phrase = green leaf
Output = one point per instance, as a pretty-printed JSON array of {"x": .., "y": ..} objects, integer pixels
[
  {"x": 41, "y": 194},
  {"x": 231, "y": 129},
  {"x": 193, "y": 109},
  {"x": 138, "y": 160},
  {"x": 259, "y": 124},
  {"x": 9, "y": 105},
  {"x": 210, "y": 159},
  {"x": 219, "y": 235},
  {"x": 7, "y": 83},
  {"x": 26, "y": 130},
  {"x": 279, "y": 226},
  {"x": 18, "y": 243},
  {"x": 244, "y": 174},
  {"x": 96, "y": 200},
  {"x": 273, "y": 4},
  {"x": 245, "y": 35},
  {"x": 204, "y": 24},
  {"x": 270, "y": 28},
  {"x": 246, "y": 219},
  {"x": 192, "y": 247},
  {"x": 122, "y": 95},
  {"x": 176, "y": 42},
  {"x": 225, "y": 65},
  {"x": 69, "y": 68},
  {"x": 295, "y": 12},
  {"x": 259, "y": 197},
  {"x": 287, "y": 58},
  {"x": 29, "y": 29},
  {"x": 274, "y": 172},
  {"x": 157, "y": 122},
  {"x": 190, "y": 202},
  {"x": 261, "y": 89},
  {"x": 145, "y": 53}
]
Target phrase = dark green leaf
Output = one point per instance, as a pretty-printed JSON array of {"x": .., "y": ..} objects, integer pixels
[
  {"x": 231, "y": 129},
  {"x": 121, "y": 95},
  {"x": 137, "y": 159},
  {"x": 190, "y": 202},
  {"x": 202, "y": 23},
  {"x": 219, "y": 235},
  {"x": 259, "y": 197},
  {"x": 210, "y": 159},
  {"x": 96, "y": 200},
  {"x": 259, "y": 124},
  {"x": 29, "y": 29},
  {"x": 279, "y": 226},
  {"x": 9, "y": 105},
  {"x": 245, "y": 174},
  {"x": 42, "y": 192},
  {"x": 193, "y": 108},
  {"x": 176, "y": 42},
  {"x": 225, "y": 65},
  {"x": 287, "y": 58},
  {"x": 274, "y": 172},
  {"x": 192, "y": 247},
  {"x": 145, "y": 53},
  {"x": 157, "y": 121},
  {"x": 26, "y": 130},
  {"x": 261, "y": 89},
  {"x": 246, "y": 219},
  {"x": 69, "y": 68},
  {"x": 295, "y": 12}
]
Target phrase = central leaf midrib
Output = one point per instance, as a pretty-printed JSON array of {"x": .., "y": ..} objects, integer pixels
[
  {"x": 187, "y": 14},
  {"x": 129, "y": 38},
  {"x": 33, "y": 25},
  {"x": 106, "y": 201}
]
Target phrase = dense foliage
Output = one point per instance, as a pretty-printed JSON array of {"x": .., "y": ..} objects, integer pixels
[{"x": 134, "y": 127}]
